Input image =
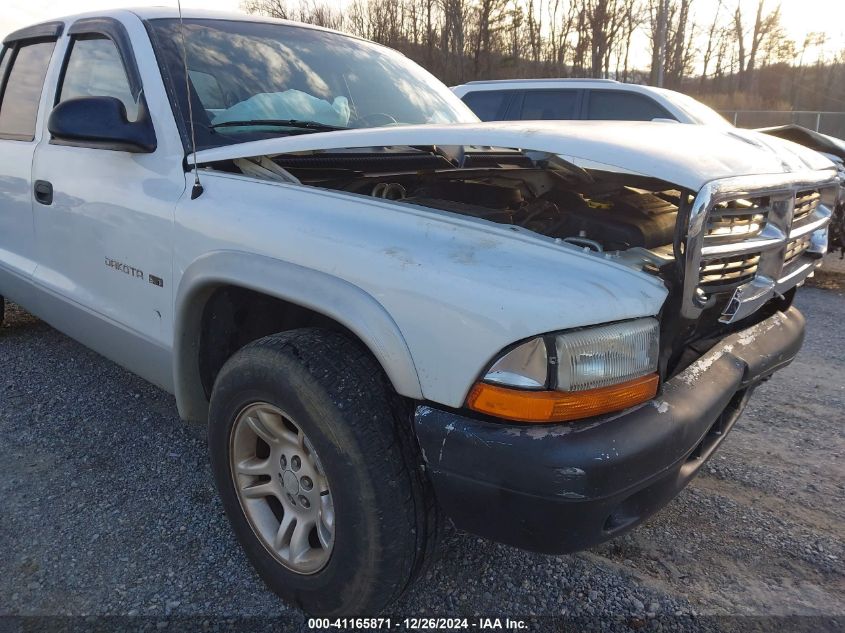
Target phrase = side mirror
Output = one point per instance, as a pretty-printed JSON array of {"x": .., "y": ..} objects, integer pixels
[{"x": 101, "y": 122}]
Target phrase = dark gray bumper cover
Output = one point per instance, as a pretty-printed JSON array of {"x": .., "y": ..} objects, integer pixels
[{"x": 564, "y": 487}]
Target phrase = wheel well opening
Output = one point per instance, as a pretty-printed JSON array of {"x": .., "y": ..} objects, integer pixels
[{"x": 234, "y": 316}]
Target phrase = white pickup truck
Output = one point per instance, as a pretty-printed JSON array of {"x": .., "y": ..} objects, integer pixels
[{"x": 386, "y": 312}]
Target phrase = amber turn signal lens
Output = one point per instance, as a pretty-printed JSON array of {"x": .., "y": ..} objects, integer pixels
[{"x": 560, "y": 406}]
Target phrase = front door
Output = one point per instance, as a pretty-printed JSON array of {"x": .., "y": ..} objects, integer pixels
[{"x": 105, "y": 236}]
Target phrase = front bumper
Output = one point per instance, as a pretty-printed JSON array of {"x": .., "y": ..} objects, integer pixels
[{"x": 564, "y": 487}]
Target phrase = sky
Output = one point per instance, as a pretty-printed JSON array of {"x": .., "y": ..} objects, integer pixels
[
  {"x": 798, "y": 16},
  {"x": 17, "y": 13}
]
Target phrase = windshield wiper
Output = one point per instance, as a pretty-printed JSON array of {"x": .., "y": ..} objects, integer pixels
[{"x": 294, "y": 123}]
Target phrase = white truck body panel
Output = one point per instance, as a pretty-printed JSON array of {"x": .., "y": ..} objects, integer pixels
[
  {"x": 17, "y": 239},
  {"x": 458, "y": 289}
]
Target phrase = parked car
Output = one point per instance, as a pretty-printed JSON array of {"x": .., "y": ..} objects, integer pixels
[
  {"x": 587, "y": 99},
  {"x": 606, "y": 99},
  {"x": 384, "y": 311}
]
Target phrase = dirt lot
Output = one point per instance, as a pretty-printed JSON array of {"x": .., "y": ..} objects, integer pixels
[{"x": 108, "y": 508}]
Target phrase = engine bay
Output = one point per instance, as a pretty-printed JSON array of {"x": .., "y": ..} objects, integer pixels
[
  {"x": 603, "y": 213},
  {"x": 611, "y": 221}
]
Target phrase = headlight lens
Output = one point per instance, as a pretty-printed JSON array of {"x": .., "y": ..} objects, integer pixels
[
  {"x": 573, "y": 375},
  {"x": 606, "y": 355}
]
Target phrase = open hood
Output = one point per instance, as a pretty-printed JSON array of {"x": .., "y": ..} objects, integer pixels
[{"x": 685, "y": 155}]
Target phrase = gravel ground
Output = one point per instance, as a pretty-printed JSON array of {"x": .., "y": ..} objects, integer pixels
[
  {"x": 833, "y": 263},
  {"x": 108, "y": 509}
]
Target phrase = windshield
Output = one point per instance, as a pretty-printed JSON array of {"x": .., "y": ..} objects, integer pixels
[
  {"x": 297, "y": 80},
  {"x": 700, "y": 113}
]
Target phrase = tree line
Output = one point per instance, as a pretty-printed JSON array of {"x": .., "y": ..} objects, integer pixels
[{"x": 715, "y": 50}]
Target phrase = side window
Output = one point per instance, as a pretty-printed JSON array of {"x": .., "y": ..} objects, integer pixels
[
  {"x": 606, "y": 105},
  {"x": 487, "y": 104},
  {"x": 94, "y": 69},
  {"x": 22, "y": 91},
  {"x": 209, "y": 90},
  {"x": 549, "y": 105}
]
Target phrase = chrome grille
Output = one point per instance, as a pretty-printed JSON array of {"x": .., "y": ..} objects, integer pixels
[
  {"x": 796, "y": 248},
  {"x": 751, "y": 238},
  {"x": 737, "y": 219},
  {"x": 736, "y": 236},
  {"x": 727, "y": 272},
  {"x": 806, "y": 202}
]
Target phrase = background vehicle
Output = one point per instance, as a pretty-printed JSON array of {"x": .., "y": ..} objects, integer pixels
[
  {"x": 384, "y": 310},
  {"x": 833, "y": 149},
  {"x": 587, "y": 99}
]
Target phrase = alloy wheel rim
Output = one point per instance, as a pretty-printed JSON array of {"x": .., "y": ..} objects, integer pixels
[{"x": 282, "y": 488}]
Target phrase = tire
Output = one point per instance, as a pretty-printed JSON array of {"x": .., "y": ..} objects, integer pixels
[{"x": 384, "y": 526}]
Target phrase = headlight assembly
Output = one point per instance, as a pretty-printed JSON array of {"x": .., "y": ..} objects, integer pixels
[
  {"x": 606, "y": 355},
  {"x": 573, "y": 375}
]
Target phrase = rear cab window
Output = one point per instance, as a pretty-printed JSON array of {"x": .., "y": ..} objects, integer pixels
[
  {"x": 613, "y": 105},
  {"x": 22, "y": 72}
]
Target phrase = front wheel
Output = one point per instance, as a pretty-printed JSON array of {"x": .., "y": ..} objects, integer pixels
[{"x": 319, "y": 474}]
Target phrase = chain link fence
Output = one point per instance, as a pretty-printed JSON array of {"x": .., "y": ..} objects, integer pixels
[{"x": 832, "y": 123}]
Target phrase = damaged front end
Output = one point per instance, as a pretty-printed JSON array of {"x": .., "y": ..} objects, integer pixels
[
  {"x": 643, "y": 411},
  {"x": 730, "y": 254}
]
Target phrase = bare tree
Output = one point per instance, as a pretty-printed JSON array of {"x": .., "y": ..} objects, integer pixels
[
  {"x": 517, "y": 19},
  {"x": 632, "y": 20},
  {"x": 741, "y": 61},
  {"x": 561, "y": 26},
  {"x": 455, "y": 19},
  {"x": 490, "y": 18},
  {"x": 270, "y": 8},
  {"x": 658, "y": 11},
  {"x": 535, "y": 31},
  {"x": 710, "y": 48},
  {"x": 583, "y": 41},
  {"x": 765, "y": 24},
  {"x": 604, "y": 19},
  {"x": 673, "y": 33},
  {"x": 315, "y": 12},
  {"x": 680, "y": 40}
]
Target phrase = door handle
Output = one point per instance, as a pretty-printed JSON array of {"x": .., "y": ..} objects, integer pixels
[{"x": 44, "y": 191}]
